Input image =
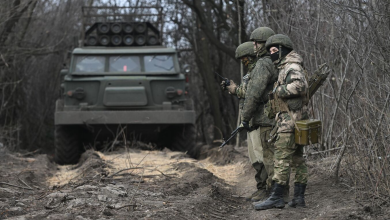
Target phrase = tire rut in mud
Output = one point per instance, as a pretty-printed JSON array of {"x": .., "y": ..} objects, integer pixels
[{"x": 89, "y": 190}]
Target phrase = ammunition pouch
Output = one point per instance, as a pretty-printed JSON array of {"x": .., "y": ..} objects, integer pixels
[
  {"x": 308, "y": 132},
  {"x": 277, "y": 104}
]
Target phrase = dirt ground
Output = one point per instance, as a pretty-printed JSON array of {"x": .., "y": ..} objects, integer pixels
[{"x": 140, "y": 184}]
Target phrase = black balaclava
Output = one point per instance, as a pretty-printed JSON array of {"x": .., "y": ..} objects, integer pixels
[{"x": 283, "y": 51}]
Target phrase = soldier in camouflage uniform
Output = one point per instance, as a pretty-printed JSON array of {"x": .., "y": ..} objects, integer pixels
[
  {"x": 290, "y": 105},
  {"x": 246, "y": 53},
  {"x": 261, "y": 81}
]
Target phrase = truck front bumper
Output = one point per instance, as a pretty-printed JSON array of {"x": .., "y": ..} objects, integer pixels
[{"x": 124, "y": 117}]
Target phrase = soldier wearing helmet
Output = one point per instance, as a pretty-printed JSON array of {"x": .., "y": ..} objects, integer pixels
[
  {"x": 261, "y": 81},
  {"x": 248, "y": 57},
  {"x": 289, "y": 103}
]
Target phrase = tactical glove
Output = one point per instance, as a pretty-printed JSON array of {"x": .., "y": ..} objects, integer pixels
[
  {"x": 232, "y": 87},
  {"x": 223, "y": 85},
  {"x": 245, "y": 125}
]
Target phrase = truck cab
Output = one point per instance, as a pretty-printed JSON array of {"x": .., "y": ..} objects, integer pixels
[{"x": 117, "y": 89}]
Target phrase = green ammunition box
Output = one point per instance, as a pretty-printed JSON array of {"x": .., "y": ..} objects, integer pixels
[{"x": 308, "y": 132}]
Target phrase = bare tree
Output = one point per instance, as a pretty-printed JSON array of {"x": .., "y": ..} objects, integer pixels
[
  {"x": 33, "y": 47},
  {"x": 351, "y": 36}
]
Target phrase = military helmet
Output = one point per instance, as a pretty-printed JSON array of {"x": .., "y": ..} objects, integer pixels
[
  {"x": 245, "y": 49},
  {"x": 279, "y": 39},
  {"x": 261, "y": 34}
]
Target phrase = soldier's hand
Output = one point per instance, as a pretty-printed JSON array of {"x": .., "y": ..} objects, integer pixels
[
  {"x": 232, "y": 87},
  {"x": 245, "y": 125},
  {"x": 223, "y": 85}
]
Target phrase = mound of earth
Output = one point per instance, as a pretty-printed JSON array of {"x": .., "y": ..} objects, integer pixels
[
  {"x": 126, "y": 184},
  {"x": 221, "y": 156},
  {"x": 137, "y": 184}
]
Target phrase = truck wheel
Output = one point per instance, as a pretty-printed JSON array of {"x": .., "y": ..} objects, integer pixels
[
  {"x": 184, "y": 139},
  {"x": 68, "y": 145}
]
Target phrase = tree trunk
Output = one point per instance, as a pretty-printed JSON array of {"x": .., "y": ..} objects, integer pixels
[
  {"x": 239, "y": 10},
  {"x": 206, "y": 67}
]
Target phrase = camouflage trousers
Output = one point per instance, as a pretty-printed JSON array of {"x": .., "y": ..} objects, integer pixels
[
  {"x": 261, "y": 153},
  {"x": 289, "y": 155}
]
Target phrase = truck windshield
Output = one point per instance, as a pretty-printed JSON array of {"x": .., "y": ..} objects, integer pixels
[
  {"x": 88, "y": 64},
  {"x": 159, "y": 63},
  {"x": 125, "y": 64}
]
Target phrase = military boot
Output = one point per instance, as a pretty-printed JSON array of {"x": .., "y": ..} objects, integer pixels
[
  {"x": 261, "y": 196},
  {"x": 299, "y": 196},
  {"x": 274, "y": 201},
  {"x": 259, "y": 191}
]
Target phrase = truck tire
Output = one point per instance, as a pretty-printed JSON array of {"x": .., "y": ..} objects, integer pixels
[
  {"x": 68, "y": 145},
  {"x": 184, "y": 139}
]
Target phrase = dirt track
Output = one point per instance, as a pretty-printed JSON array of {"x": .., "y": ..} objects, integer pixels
[{"x": 135, "y": 184}]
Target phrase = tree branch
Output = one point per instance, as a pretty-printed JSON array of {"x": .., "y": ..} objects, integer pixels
[
  {"x": 208, "y": 32},
  {"x": 11, "y": 22}
]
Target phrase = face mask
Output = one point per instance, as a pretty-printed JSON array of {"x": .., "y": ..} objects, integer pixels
[
  {"x": 275, "y": 56},
  {"x": 283, "y": 50}
]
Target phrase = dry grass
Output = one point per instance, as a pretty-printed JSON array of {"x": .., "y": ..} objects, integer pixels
[{"x": 146, "y": 164}]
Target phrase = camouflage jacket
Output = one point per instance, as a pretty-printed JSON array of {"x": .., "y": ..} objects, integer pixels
[
  {"x": 292, "y": 89},
  {"x": 261, "y": 81},
  {"x": 241, "y": 89}
]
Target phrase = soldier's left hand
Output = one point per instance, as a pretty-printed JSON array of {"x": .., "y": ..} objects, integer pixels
[{"x": 232, "y": 87}]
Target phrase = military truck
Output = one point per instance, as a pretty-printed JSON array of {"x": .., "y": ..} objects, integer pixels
[{"x": 122, "y": 81}]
